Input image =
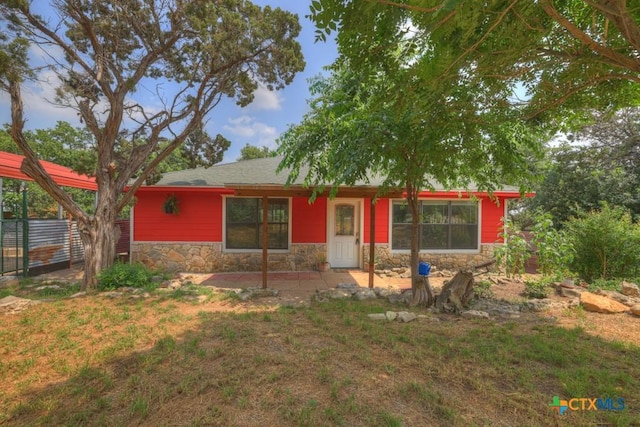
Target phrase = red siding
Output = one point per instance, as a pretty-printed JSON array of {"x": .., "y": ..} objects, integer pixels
[
  {"x": 309, "y": 221},
  {"x": 199, "y": 218},
  {"x": 382, "y": 221},
  {"x": 492, "y": 213}
]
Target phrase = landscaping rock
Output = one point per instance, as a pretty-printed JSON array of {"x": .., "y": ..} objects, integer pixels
[
  {"x": 405, "y": 316},
  {"x": 363, "y": 294},
  {"x": 616, "y": 296},
  {"x": 12, "y": 305},
  {"x": 262, "y": 292},
  {"x": 78, "y": 294},
  {"x": 45, "y": 287},
  {"x": 635, "y": 310},
  {"x": 377, "y": 316},
  {"x": 540, "y": 304},
  {"x": 111, "y": 294},
  {"x": 384, "y": 292},
  {"x": 475, "y": 314},
  {"x": 573, "y": 292},
  {"x": 174, "y": 284},
  {"x": 601, "y": 304},
  {"x": 400, "y": 298},
  {"x": 391, "y": 315},
  {"x": 350, "y": 286},
  {"x": 333, "y": 294},
  {"x": 630, "y": 289}
]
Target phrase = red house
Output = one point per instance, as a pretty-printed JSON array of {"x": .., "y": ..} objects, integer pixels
[{"x": 220, "y": 220}]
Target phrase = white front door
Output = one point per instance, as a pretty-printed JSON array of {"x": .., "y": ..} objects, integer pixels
[{"x": 344, "y": 233}]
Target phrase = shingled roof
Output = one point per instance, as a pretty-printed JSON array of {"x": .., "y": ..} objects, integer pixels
[{"x": 255, "y": 172}]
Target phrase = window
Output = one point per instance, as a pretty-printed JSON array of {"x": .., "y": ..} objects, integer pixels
[
  {"x": 244, "y": 223},
  {"x": 345, "y": 220},
  {"x": 443, "y": 225}
]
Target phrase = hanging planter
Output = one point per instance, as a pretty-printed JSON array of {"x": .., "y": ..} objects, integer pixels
[{"x": 170, "y": 205}]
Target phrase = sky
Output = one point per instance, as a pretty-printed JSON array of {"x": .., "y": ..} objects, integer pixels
[{"x": 258, "y": 124}]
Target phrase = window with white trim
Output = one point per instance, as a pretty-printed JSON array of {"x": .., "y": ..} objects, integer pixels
[
  {"x": 444, "y": 225},
  {"x": 244, "y": 223}
]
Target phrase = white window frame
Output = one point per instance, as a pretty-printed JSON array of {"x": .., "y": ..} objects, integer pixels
[{"x": 436, "y": 251}]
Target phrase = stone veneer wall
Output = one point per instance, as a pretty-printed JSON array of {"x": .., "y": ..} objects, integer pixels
[
  {"x": 444, "y": 261},
  {"x": 209, "y": 258}
]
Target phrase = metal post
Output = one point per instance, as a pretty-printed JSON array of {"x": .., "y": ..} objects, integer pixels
[
  {"x": 265, "y": 240},
  {"x": 25, "y": 233}
]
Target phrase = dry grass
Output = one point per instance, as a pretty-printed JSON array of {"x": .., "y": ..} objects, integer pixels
[{"x": 99, "y": 361}]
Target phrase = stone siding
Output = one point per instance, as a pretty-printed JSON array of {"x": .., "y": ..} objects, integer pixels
[
  {"x": 209, "y": 258},
  {"x": 444, "y": 261}
]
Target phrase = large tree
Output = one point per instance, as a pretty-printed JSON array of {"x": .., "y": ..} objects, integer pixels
[
  {"x": 559, "y": 57},
  {"x": 249, "y": 152},
  {"x": 189, "y": 54},
  {"x": 362, "y": 127},
  {"x": 601, "y": 163}
]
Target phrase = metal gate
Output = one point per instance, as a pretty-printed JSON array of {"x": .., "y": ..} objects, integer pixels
[{"x": 14, "y": 241}]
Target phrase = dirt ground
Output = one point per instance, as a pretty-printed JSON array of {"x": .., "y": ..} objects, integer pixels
[{"x": 622, "y": 327}]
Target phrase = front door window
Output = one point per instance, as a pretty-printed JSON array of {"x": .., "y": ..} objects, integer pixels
[{"x": 345, "y": 220}]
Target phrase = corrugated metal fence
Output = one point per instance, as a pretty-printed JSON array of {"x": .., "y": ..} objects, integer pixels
[{"x": 53, "y": 244}]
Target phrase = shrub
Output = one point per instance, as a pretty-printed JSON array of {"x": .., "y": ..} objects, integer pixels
[
  {"x": 554, "y": 249},
  {"x": 125, "y": 275},
  {"x": 513, "y": 253},
  {"x": 482, "y": 289},
  {"x": 537, "y": 288},
  {"x": 606, "y": 243},
  {"x": 604, "y": 284}
]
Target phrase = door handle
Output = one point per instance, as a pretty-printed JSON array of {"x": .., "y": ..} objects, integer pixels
[{"x": 357, "y": 241}]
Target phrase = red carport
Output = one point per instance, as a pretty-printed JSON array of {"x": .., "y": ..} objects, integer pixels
[{"x": 10, "y": 168}]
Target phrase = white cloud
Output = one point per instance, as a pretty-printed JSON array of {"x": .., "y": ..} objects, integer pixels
[
  {"x": 266, "y": 99},
  {"x": 252, "y": 132},
  {"x": 38, "y": 98}
]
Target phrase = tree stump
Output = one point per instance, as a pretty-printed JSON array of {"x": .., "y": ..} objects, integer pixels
[
  {"x": 458, "y": 291},
  {"x": 423, "y": 294}
]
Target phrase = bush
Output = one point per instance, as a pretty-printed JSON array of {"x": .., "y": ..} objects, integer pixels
[
  {"x": 513, "y": 253},
  {"x": 125, "y": 275},
  {"x": 555, "y": 250},
  {"x": 537, "y": 288},
  {"x": 606, "y": 285},
  {"x": 482, "y": 289},
  {"x": 606, "y": 244}
]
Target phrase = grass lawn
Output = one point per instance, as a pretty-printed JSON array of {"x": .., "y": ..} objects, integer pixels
[{"x": 166, "y": 361}]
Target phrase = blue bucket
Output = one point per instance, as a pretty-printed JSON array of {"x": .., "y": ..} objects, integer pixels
[{"x": 424, "y": 268}]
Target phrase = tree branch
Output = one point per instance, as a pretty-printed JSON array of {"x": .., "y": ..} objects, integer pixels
[
  {"x": 406, "y": 6},
  {"x": 30, "y": 165},
  {"x": 614, "y": 57}
]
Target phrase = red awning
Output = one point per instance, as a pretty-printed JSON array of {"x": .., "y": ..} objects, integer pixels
[{"x": 10, "y": 168}]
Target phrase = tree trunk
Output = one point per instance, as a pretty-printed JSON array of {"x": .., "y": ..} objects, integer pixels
[
  {"x": 412, "y": 202},
  {"x": 99, "y": 237},
  {"x": 458, "y": 291},
  {"x": 423, "y": 294}
]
